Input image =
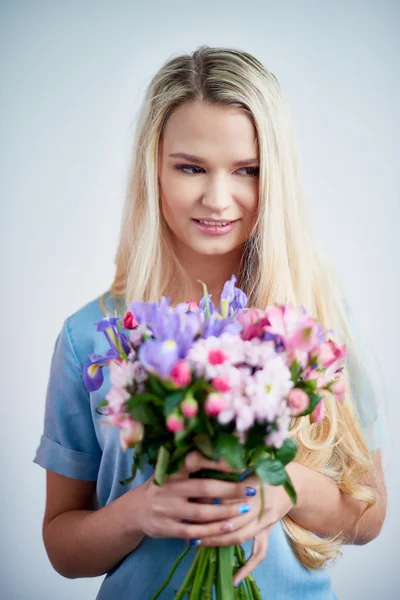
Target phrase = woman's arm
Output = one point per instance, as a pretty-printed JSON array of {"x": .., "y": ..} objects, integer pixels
[
  {"x": 325, "y": 510},
  {"x": 80, "y": 540}
]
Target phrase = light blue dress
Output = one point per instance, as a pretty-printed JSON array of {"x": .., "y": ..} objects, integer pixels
[{"x": 75, "y": 444}]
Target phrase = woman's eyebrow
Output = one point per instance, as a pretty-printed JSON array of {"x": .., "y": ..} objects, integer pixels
[{"x": 198, "y": 159}]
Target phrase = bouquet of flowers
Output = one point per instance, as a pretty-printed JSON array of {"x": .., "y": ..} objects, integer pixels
[{"x": 226, "y": 382}]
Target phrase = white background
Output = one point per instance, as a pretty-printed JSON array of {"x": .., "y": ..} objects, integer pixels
[{"x": 72, "y": 75}]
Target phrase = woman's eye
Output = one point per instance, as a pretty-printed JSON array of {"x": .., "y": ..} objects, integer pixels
[
  {"x": 253, "y": 171},
  {"x": 184, "y": 167}
]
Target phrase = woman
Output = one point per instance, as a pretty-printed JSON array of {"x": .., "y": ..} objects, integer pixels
[{"x": 214, "y": 189}]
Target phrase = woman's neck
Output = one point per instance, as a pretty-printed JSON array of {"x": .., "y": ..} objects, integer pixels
[{"x": 212, "y": 270}]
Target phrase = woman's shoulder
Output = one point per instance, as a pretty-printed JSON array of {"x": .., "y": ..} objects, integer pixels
[{"x": 80, "y": 325}]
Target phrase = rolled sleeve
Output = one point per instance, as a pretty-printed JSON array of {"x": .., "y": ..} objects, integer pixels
[{"x": 69, "y": 445}]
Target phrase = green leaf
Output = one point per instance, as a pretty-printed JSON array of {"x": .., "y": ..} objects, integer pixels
[
  {"x": 295, "y": 370},
  {"x": 156, "y": 386},
  {"x": 145, "y": 414},
  {"x": 172, "y": 401},
  {"x": 102, "y": 403},
  {"x": 286, "y": 452},
  {"x": 162, "y": 465},
  {"x": 288, "y": 485},
  {"x": 271, "y": 472},
  {"x": 231, "y": 449},
  {"x": 203, "y": 442},
  {"x": 142, "y": 398}
]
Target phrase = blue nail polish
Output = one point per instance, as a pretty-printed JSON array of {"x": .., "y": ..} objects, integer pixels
[
  {"x": 244, "y": 508},
  {"x": 245, "y": 474},
  {"x": 194, "y": 542},
  {"x": 237, "y": 585},
  {"x": 216, "y": 501},
  {"x": 250, "y": 491}
]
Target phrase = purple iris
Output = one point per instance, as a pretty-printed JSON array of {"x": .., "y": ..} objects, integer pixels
[
  {"x": 202, "y": 304},
  {"x": 93, "y": 372},
  {"x": 215, "y": 326},
  {"x": 115, "y": 338},
  {"x": 276, "y": 338},
  {"x": 159, "y": 357},
  {"x": 233, "y": 299}
]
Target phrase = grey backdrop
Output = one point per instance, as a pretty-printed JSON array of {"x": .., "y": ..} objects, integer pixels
[{"x": 72, "y": 75}]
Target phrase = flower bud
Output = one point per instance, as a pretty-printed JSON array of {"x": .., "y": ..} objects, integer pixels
[
  {"x": 129, "y": 321},
  {"x": 175, "y": 422},
  {"x": 189, "y": 406},
  {"x": 181, "y": 374},
  {"x": 298, "y": 401}
]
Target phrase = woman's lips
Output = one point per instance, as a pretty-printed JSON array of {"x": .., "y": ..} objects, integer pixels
[{"x": 214, "y": 227}]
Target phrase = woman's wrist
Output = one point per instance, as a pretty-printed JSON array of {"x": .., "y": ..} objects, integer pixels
[{"x": 127, "y": 515}]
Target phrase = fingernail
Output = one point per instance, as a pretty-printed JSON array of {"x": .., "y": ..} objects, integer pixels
[
  {"x": 244, "y": 508},
  {"x": 226, "y": 527},
  {"x": 216, "y": 501},
  {"x": 244, "y": 474},
  {"x": 194, "y": 542},
  {"x": 237, "y": 585},
  {"x": 250, "y": 491}
]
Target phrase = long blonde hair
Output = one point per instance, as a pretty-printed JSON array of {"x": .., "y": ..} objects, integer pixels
[{"x": 282, "y": 261}]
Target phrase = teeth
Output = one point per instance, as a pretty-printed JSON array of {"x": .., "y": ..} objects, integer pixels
[{"x": 221, "y": 224}]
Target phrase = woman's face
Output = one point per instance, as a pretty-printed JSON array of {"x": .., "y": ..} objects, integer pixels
[{"x": 208, "y": 173}]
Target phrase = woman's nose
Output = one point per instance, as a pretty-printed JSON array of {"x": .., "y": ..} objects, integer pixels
[{"x": 217, "y": 195}]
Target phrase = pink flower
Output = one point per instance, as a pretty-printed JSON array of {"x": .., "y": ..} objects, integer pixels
[
  {"x": 319, "y": 377},
  {"x": 333, "y": 357},
  {"x": 181, "y": 374},
  {"x": 298, "y": 401},
  {"x": 214, "y": 404},
  {"x": 116, "y": 397},
  {"x": 253, "y": 322},
  {"x": 221, "y": 384},
  {"x": 216, "y": 357},
  {"x": 338, "y": 387},
  {"x": 189, "y": 407},
  {"x": 318, "y": 413},
  {"x": 131, "y": 431},
  {"x": 192, "y": 306},
  {"x": 129, "y": 321},
  {"x": 175, "y": 422}
]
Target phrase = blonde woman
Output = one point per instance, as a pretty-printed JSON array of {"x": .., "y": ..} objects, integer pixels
[{"x": 214, "y": 189}]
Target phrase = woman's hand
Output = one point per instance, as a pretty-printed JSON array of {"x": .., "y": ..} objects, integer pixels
[
  {"x": 171, "y": 510},
  {"x": 276, "y": 505}
]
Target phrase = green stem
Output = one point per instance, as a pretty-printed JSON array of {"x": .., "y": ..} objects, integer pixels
[
  {"x": 224, "y": 579},
  {"x": 197, "y": 591},
  {"x": 185, "y": 587},
  {"x": 176, "y": 564},
  {"x": 210, "y": 579}
]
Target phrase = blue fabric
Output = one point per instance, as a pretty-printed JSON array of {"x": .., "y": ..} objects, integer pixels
[{"x": 75, "y": 443}]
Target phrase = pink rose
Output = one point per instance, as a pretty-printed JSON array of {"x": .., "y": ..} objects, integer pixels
[
  {"x": 298, "y": 401},
  {"x": 181, "y": 374},
  {"x": 129, "y": 321}
]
